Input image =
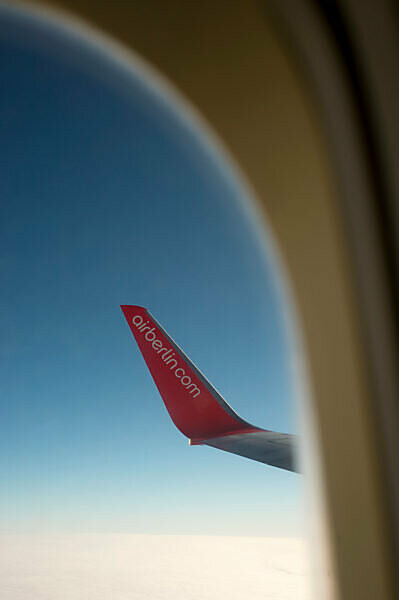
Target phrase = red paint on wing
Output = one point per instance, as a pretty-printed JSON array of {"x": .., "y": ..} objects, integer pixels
[{"x": 191, "y": 405}]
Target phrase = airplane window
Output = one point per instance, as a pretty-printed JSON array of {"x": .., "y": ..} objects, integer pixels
[{"x": 113, "y": 194}]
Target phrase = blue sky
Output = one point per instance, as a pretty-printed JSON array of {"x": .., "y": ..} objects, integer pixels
[{"x": 108, "y": 198}]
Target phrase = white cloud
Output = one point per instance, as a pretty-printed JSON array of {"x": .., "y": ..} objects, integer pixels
[{"x": 144, "y": 567}]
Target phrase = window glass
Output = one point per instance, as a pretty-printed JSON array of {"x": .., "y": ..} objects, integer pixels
[{"x": 113, "y": 194}]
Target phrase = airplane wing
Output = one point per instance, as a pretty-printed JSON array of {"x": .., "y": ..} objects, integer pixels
[{"x": 195, "y": 407}]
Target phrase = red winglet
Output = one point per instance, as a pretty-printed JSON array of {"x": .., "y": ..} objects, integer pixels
[{"x": 195, "y": 407}]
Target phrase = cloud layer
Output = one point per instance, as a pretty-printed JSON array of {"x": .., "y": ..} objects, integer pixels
[{"x": 143, "y": 567}]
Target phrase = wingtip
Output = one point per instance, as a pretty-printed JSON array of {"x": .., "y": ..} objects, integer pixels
[{"x": 125, "y": 307}]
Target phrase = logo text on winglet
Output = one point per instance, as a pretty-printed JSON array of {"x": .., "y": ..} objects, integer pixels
[{"x": 166, "y": 354}]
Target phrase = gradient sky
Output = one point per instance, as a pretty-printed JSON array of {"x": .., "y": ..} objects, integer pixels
[{"x": 109, "y": 198}]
